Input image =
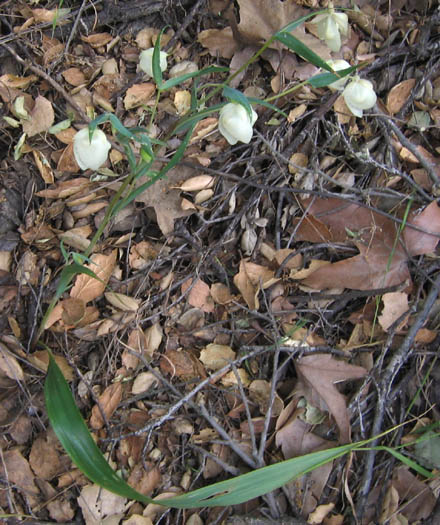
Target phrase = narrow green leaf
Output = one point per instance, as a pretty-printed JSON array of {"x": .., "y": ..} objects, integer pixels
[
  {"x": 325, "y": 79},
  {"x": 157, "y": 72},
  {"x": 76, "y": 439},
  {"x": 406, "y": 461},
  {"x": 267, "y": 105},
  {"x": 302, "y": 50},
  {"x": 239, "y": 97},
  {"x": 296, "y": 23},
  {"x": 186, "y": 122},
  {"x": 182, "y": 78}
]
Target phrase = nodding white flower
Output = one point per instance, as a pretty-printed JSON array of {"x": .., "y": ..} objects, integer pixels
[
  {"x": 359, "y": 95},
  {"x": 235, "y": 124},
  {"x": 90, "y": 154},
  {"x": 146, "y": 61},
  {"x": 337, "y": 65},
  {"x": 331, "y": 26}
]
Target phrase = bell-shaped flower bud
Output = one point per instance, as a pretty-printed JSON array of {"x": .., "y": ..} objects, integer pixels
[
  {"x": 330, "y": 27},
  {"x": 338, "y": 65},
  {"x": 359, "y": 95},
  {"x": 90, "y": 154},
  {"x": 146, "y": 61},
  {"x": 235, "y": 124}
]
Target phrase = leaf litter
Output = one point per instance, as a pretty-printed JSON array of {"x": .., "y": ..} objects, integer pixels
[{"x": 217, "y": 275}]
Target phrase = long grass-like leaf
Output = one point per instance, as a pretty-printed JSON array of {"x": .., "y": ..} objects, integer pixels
[
  {"x": 182, "y": 78},
  {"x": 76, "y": 439},
  {"x": 302, "y": 50}
]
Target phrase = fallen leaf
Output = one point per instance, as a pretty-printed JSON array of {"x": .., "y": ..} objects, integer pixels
[
  {"x": 165, "y": 199},
  {"x": 418, "y": 497},
  {"x": 41, "y": 117},
  {"x": 216, "y": 356},
  {"x": 109, "y": 401},
  {"x": 317, "y": 375},
  {"x": 398, "y": 95},
  {"x": 317, "y": 516},
  {"x": 395, "y": 305},
  {"x": 138, "y": 95},
  {"x": 15, "y": 468},
  {"x": 45, "y": 459},
  {"x": 199, "y": 295},
  {"x": 143, "y": 382},
  {"x": 419, "y": 243},
  {"x": 88, "y": 288},
  {"x": 122, "y": 302},
  {"x": 98, "y": 39},
  {"x": 97, "y": 503},
  {"x": 9, "y": 364},
  {"x": 153, "y": 339}
]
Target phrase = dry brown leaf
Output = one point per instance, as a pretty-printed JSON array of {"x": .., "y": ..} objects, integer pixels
[
  {"x": 220, "y": 42},
  {"x": 395, "y": 304},
  {"x": 231, "y": 379},
  {"x": 221, "y": 294},
  {"x": 182, "y": 364},
  {"x": 98, "y": 39},
  {"x": 373, "y": 234},
  {"x": 88, "y": 288},
  {"x": 165, "y": 199},
  {"x": 418, "y": 497},
  {"x": 97, "y": 503},
  {"x": 318, "y": 374},
  {"x": 419, "y": 243},
  {"x": 249, "y": 280},
  {"x": 199, "y": 295},
  {"x": 9, "y": 364},
  {"x": 122, "y": 302},
  {"x": 108, "y": 400},
  {"x": 15, "y": 468},
  {"x": 138, "y": 95},
  {"x": 45, "y": 459},
  {"x": 153, "y": 338},
  {"x": 43, "y": 166},
  {"x": 40, "y": 359},
  {"x": 41, "y": 117},
  {"x": 74, "y": 76},
  {"x": 398, "y": 95},
  {"x": 145, "y": 481},
  {"x": 317, "y": 516},
  {"x": 13, "y": 82},
  {"x": 143, "y": 382},
  {"x": 216, "y": 356}
]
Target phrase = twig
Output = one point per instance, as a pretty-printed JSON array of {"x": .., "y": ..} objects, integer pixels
[
  {"x": 384, "y": 387},
  {"x": 429, "y": 167}
]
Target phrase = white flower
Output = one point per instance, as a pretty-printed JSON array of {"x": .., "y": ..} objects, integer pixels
[
  {"x": 330, "y": 27},
  {"x": 90, "y": 154},
  {"x": 359, "y": 95},
  {"x": 234, "y": 123},
  {"x": 146, "y": 61},
  {"x": 337, "y": 65}
]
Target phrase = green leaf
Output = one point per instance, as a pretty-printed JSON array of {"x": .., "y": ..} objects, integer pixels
[
  {"x": 239, "y": 97},
  {"x": 296, "y": 23},
  {"x": 302, "y": 50},
  {"x": 267, "y": 105},
  {"x": 157, "y": 72},
  {"x": 206, "y": 71},
  {"x": 186, "y": 122},
  {"x": 325, "y": 79},
  {"x": 76, "y": 439}
]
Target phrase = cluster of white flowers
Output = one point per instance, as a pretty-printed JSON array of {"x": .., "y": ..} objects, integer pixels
[{"x": 358, "y": 93}]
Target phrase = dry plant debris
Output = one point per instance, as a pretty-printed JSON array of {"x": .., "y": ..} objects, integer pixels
[{"x": 261, "y": 302}]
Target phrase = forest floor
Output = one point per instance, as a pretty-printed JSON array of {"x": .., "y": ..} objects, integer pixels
[{"x": 261, "y": 302}]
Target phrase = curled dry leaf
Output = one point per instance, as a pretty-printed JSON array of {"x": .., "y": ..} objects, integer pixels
[
  {"x": 9, "y": 364},
  {"x": 216, "y": 356},
  {"x": 199, "y": 295},
  {"x": 108, "y": 400},
  {"x": 395, "y": 304},
  {"x": 318, "y": 374},
  {"x": 122, "y": 302},
  {"x": 143, "y": 382},
  {"x": 87, "y": 288},
  {"x": 398, "y": 95},
  {"x": 40, "y": 118}
]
